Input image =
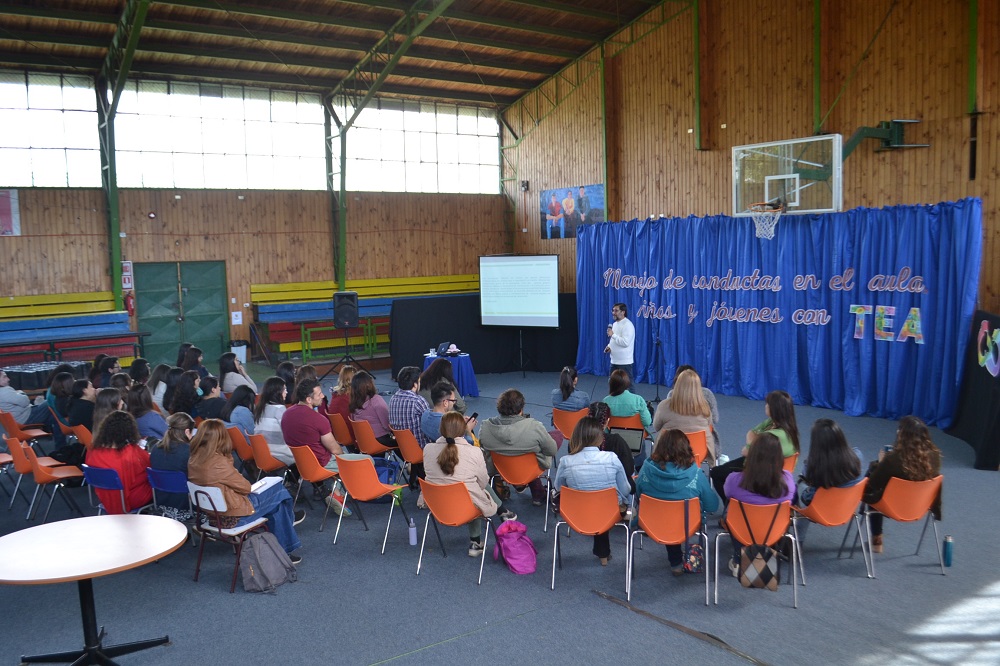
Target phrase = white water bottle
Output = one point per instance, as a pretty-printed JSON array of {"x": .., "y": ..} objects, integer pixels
[{"x": 413, "y": 533}]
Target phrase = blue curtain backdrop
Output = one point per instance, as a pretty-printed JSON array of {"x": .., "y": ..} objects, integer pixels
[{"x": 792, "y": 299}]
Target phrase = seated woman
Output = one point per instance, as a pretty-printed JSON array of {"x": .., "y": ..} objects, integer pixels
[
  {"x": 451, "y": 459},
  {"x": 171, "y": 454},
  {"x": 686, "y": 409},
  {"x": 713, "y": 404},
  {"x": 115, "y": 447},
  {"x": 211, "y": 464},
  {"x": 187, "y": 394},
  {"x": 588, "y": 468},
  {"x": 107, "y": 400},
  {"x": 367, "y": 405},
  {"x": 95, "y": 370},
  {"x": 439, "y": 370},
  {"x": 613, "y": 442},
  {"x": 780, "y": 422},
  {"x": 108, "y": 367},
  {"x": 81, "y": 405},
  {"x": 193, "y": 360},
  {"x": 239, "y": 410},
  {"x": 671, "y": 474},
  {"x": 139, "y": 371},
  {"x": 211, "y": 403},
  {"x": 170, "y": 382},
  {"x": 140, "y": 406},
  {"x": 267, "y": 415},
  {"x": 763, "y": 480},
  {"x": 831, "y": 462},
  {"x": 182, "y": 353},
  {"x": 157, "y": 384},
  {"x": 568, "y": 397},
  {"x": 340, "y": 396},
  {"x": 59, "y": 394},
  {"x": 121, "y": 381},
  {"x": 913, "y": 457},
  {"x": 286, "y": 370},
  {"x": 623, "y": 402},
  {"x": 233, "y": 374}
]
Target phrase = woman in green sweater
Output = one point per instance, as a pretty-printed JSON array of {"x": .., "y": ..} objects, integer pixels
[{"x": 625, "y": 403}]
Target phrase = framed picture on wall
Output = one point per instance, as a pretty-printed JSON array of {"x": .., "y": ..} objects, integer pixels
[{"x": 563, "y": 209}]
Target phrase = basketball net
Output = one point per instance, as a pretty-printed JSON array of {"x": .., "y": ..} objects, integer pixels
[{"x": 765, "y": 217}]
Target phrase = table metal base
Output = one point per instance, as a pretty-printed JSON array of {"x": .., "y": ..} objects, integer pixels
[{"x": 93, "y": 652}]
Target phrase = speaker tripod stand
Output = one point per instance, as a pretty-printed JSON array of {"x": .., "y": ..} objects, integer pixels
[{"x": 344, "y": 360}]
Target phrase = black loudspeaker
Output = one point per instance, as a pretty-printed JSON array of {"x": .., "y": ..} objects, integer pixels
[{"x": 345, "y": 309}]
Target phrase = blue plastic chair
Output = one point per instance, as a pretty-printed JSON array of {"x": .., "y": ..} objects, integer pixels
[
  {"x": 167, "y": 481},
  {"x": 106, "y": 479}
]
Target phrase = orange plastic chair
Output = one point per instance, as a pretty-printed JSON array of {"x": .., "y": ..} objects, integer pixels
[
  {"x": 588, "y": 512},
  {"x": 365, "y": 437},
  {"x": 520, "y": 470},
  {"x": 634, "y": 422},
  {"x": 907, "y": 502},
  {"x": 790, "y": 463},
  {"x": 264, "y": 459},
  {"x": 26, "y": 432},
  {"x": 362, "y": 485},
  {"x": 50, "y": 476},
  {"x": 832, "y": 507},
  {"x": 240, "y": 445},
  {"x": 198, "y": 421},
  {"x": 63, "y": 428},
  {"x": 663, "y": 522},
  {"x": 565, "y": 421},
  {"x": 758, "y": 519},
  {"x": 341, "y": 431},
  {"x": 409, "y": 448},
  {"x": 23, "y": 466},
  {"x": 450, "y": 504},
  {"x": 310, "y": 470},
  {"x": 699, "y": 445},
  {"x": 83, "y": 435}
]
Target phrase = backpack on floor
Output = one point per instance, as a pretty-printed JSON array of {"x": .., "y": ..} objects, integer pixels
[
  {"x": 759, "y": 565},
  {"x": 517, "y": 548},
  {"x": 388, "y": 470},
  {"x": 264, "y": 564}
]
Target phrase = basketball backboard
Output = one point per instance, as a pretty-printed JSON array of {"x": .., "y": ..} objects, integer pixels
[{"x": 803, "y": 175}]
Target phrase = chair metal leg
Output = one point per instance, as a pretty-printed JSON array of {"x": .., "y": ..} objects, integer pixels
[
  {"x": 923, "y": 532},
  {"x": 868, "y": 535},
  {"x": 865, "y": 553},
  {"x": 52, "y": 498},
  {"x": 704, "y": 538},
  {"x": 795, "y": 561},
  {"x": 357, "y": 507},
  {"x": 940, "y": 545},
  {"x": 13, "y": 496},
  {"x": 31, "y": 505},
  {"x": 486, "y": 539},
  {"x": 798, "y": 546},
  {"x": 340, "y": 520},
  {"x": 424, "y": 541},
  {"x": 444, "y": 553},
  {"x": 717, "y": 537},
  {"x": 201, "y": 551},
  {"x": 392, "y": 505},
  {"x": 555, "y": 550},
  {"x": 548, "y": 499}
]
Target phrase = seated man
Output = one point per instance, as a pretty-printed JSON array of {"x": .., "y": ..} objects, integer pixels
[
  {"x": 443, "y": 397},
  {"x": 19, "y": 406},
  {"x": 512, "y": 433},
  {"x": 303, "y": 426},
  {"x": 406, "y": 406}
]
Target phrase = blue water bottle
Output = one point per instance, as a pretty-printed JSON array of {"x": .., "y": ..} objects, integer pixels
[{"x": 949, "y": 545}]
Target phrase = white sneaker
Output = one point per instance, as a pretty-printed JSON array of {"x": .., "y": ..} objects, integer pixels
[
  {"x": 475, "y": 549},
  {"x": 734, "y": 567}
]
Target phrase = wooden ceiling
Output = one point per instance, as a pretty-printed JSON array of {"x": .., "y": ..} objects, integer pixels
[{"x": 486, "y": 52}]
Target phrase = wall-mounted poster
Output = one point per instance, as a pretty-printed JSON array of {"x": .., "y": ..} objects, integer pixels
[
  {"x": 563, "y": 210},
  {"x": 10, "y": 213}
]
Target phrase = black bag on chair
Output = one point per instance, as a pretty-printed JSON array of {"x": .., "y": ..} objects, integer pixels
[{"x": 759, "y": 563}]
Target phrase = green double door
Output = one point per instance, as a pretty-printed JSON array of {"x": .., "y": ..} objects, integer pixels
[{"x": 182, "y": 302}]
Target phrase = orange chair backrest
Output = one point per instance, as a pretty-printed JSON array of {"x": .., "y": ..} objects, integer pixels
[
  {"x": 699, "y": 445},
  {"x": 634, "y": 422},
  {"x": 84, "y": 435},
  {"x": 41, "y": 474},
  {"x": 589, "y": 511},
  {"x": 565, "y": 421},
  {"x": 361, "y": 479},
  {"x": 759, "y": 517},
  {"x": 450, "y": 503},
  {"x": 408, "y": 446},
  {"x": 341, "y": 432},
  {"x": 240, "y": 444},
  {"x": 65, "y": 429},
  {"x": 198, "y": 421},
  {"x": 365, "y": 438},
  {"x": 663, "y": 520},
  {"x": 790, "y": 462},
  {"x": 308, "y": 466},
  {"x": 834, "y": 506},
  {"x": 907, "y": 501},
  {"x": 21, "y": 463},
  {"x": 262, "y": 454},
  {"x": 519, "y": 470},
  {"x": 11, "y": 426}
]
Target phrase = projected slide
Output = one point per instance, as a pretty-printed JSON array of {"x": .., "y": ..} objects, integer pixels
[{"x": 519, "y": 291}]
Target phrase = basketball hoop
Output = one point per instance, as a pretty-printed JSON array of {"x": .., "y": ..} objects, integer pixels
[{"x": 765, "y": 217}]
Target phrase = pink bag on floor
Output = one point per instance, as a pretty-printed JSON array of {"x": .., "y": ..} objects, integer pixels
[{"x": 518, "y": 549}]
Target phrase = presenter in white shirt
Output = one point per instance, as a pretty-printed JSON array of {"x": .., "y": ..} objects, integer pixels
[{"x": 621, "y": 340}]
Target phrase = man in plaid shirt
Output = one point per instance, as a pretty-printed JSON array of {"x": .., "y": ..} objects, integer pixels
[{"x": 406, "y": 406}]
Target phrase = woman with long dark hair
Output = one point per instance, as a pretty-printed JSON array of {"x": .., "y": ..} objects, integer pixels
[
  {"x": 211, "y": 404},
  {"x": 670, "y": 474},
  {"x": 368, "y": 405},
  {"x": 116, "y": 447},
  {"x": 81, "y": 404},
  {"x": 233, "y": 374},
  {"x": 157, "y": 384},
  {"x": 59, "y": 394},
  {"x": 913, "y": 457},
  {"x": 267, "y": 415},
  {"x": 452, "y": 459},
  {"x": 139, "y": 370},
  {"x": 193, "y": 359},
  {"x": 780, "y": 422},
  {"x": 186, "y": 393},
  {"x": 140, "y": 406},
  {"x": 106, "y": 401},
  {"x": 588, "y": 468},
  {"x": 170, "y": 382},
  {"x": 832, "y": 463},
  {"x": 239, "y": 410},
  {"x": 182, "y": 353},
  {"x": 286, "y": 370},
  {"x": 568, "y": 397}
]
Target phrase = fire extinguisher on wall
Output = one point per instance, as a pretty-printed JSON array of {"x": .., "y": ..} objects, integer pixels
[{"x": 130, "y": 303}]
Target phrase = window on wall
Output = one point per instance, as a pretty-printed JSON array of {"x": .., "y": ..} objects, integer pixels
[
  {"x": 404, "y": 146},
  {"x": 48, "y": 131}
]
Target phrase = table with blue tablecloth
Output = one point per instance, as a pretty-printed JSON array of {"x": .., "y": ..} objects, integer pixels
[{"x": 465, "y": 376}]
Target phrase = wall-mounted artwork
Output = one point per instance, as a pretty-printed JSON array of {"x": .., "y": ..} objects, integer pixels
[{"x": 562, "y": 210}]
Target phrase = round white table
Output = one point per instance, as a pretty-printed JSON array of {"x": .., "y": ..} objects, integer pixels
[{"x": 80, "y": 550}]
